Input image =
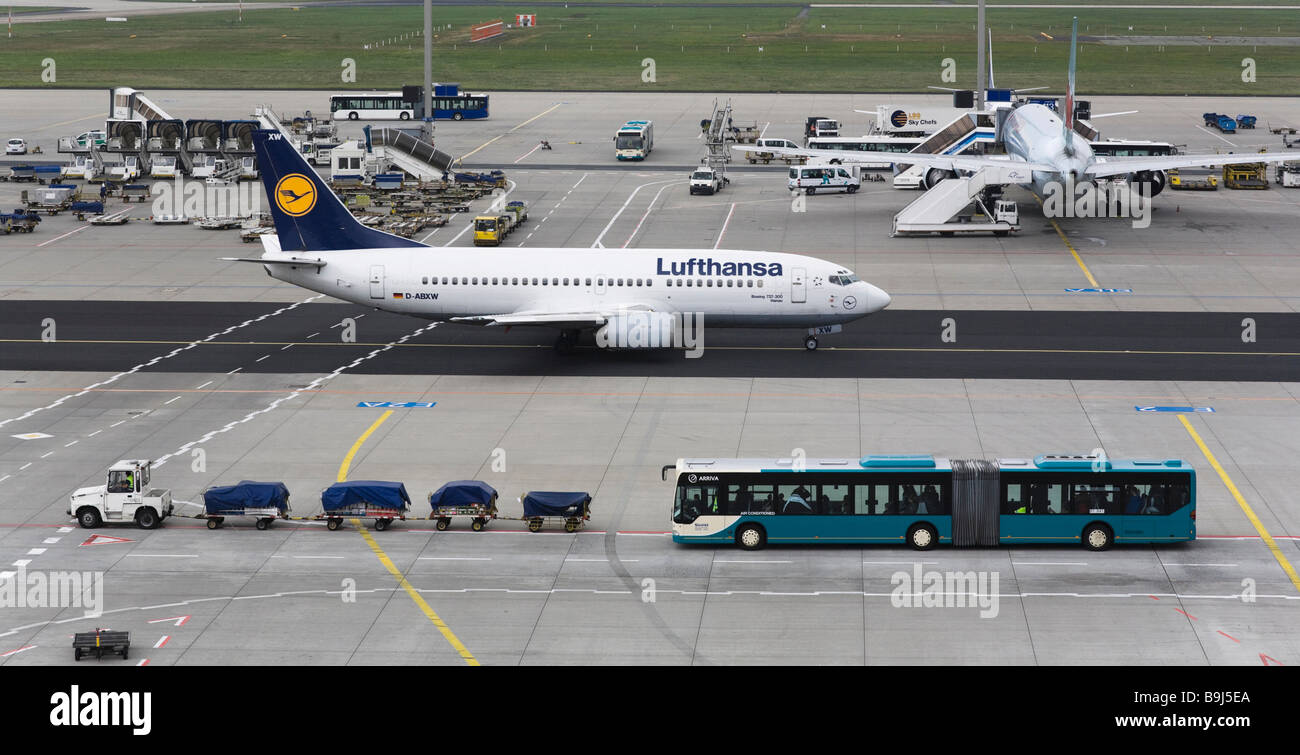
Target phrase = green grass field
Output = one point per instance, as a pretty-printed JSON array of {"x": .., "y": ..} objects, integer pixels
[{"x": 700, "y": 49}]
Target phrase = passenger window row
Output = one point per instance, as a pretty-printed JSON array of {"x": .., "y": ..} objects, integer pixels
[{"x": 613, "y": 282}]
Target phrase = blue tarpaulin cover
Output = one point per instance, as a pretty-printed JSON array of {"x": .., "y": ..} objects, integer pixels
[
  {"x": 463, "y": 493},
  {"x": 387, "y": 495},
  {"x": 246, "y": 495},
  {"x": 555, "y": 504}
]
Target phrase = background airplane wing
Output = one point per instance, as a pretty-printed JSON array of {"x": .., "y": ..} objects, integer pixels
[
  {"x": 947, "y": 162},
  {"x": 1114, "y": 166}
]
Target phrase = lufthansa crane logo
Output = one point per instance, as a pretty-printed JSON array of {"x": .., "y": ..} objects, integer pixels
[
  {"x": 295, "y": 195},
  {"x": 849, "y": 302},
  {"x": 898, "y": 118}
]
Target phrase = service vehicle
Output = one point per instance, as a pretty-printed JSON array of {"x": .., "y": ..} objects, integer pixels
[
  {"x": 263, "y": 501},
  {"x": 574, "y": 509},
  {"x": 378, "y": 499},
  {"x": 758, "y": 154},
  {"x": 125, "y": 497},
  {"x": 491, "y": 230},
  {"x": 706, "y": 180},
  {"x": 826, "y": 177}
]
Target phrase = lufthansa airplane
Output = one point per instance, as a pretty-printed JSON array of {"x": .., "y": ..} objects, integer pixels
[
  {"x": 319, "y": 246},
  {"x": 1043, "y": 148}
]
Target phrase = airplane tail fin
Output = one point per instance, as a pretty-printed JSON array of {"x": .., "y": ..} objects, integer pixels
[
  {"x": 308, "y": 216},
  {"x": 991, "y": 84},
  {"x": 1068, "y": 118}
]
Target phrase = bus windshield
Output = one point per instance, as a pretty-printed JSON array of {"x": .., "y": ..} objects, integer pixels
[{"x": 629, "y": 141}]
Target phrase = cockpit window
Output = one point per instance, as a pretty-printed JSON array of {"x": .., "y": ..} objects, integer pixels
[{"x": 843, "y": 280}]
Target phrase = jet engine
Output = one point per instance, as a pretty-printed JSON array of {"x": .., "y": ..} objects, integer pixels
[
  {"x": 1154, "y": 179},
  {"x": 934, "y": 175}
]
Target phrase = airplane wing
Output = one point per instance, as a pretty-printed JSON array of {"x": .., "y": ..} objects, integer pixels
[
  {"x": 297, "y": 261},
  {"x": 553, "y": 319},
  {"x": 549, "y": 319},
  {"x": 947, "y": 162},
  {"x": 1114, "y": 166}
]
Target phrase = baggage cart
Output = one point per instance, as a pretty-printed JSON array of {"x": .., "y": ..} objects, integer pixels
[
  {"x": 264, "y": 501},
  {"x": 364, "y": 499},
  {"x": 99, "y": 642},
  {"x": 574, "y": 509},
  {"x": 471, "y": 498}
]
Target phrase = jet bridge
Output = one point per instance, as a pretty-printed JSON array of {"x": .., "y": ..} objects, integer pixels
[{"x": 939, "y": 210}]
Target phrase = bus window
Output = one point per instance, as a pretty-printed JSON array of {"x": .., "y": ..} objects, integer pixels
[
  {"x": 870, "y": 499},
  {"x": 1095, "y": 498},
  {"x": 694, "y": 501},
  {"x": 795, "y": 499},
  {"x": 762, "y": 497},
  {"x": 834, "y": 499}
]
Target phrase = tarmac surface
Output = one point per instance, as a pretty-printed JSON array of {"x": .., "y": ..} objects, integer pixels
[{"x": 159, "y": 350}]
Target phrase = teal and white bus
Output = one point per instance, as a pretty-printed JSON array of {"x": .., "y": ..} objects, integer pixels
[
  {"x": 634, "y": 140},
  {"x": 923, "y": 501}
]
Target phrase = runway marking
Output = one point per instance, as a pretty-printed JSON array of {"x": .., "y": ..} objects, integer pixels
[
  {"x": 21, "y": 562},
  {"x": 205, "y": 385},
  {"x": 453, "y": 558},
  {"x": 294, "y": 394},
  {"x": 1216, "y": 136},
  {"x": 749, "y": 561},
  {"x": 415, "y": 596},
  {"x": 36, "y": 551},
  {"x": 51, "y": 540},
  {"x": 168, "y": 401},
  {"x": 28, "y": 464},
  {"x": 644, "y": 215},
  {"x": 97, "y": 432},
  {"x": 597, "y": 243},
  {"x": 1074, "y": 252},
  {"x": 157, "y": 359},
  {"x": 880, "y": 349},
  {"x": 64, "y": 236},
  {"x": 725, "y": 223},
  {"x": 529, "y": 152},
  {"x": 162, "y": 555},
  {"x": 1188, "y": 615},
  {"x": 1048, "y": 563},
  {"x": 16, "y": 652},
  {"x": 426, "y": 238},
  {"x": 162, "y": 642},
  {"x": 352, "y": 452},
  {"x": 1225, "y": 634},
  {"x": 511, "y": 131},
  {"x": 1201, "y": 564},
  {"x": 1245, "y": 507}
]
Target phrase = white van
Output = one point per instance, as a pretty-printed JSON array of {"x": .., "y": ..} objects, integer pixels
[{"x": 811, "y": 178}]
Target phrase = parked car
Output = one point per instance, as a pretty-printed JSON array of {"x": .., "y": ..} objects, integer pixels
[{"x": 16, "y": 147}]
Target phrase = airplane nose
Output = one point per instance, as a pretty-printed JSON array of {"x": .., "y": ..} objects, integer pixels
[{"x": 877, "y": 299}]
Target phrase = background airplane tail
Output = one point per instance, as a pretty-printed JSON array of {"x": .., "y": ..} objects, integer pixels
[
  {"x": 308, "y": 216},
  {"x": 1068, "y": 118}
]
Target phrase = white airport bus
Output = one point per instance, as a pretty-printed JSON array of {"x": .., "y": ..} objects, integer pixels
[
  {"x": 634, "y": 140},
  {"x": 870, "y": 143},
  {"x": 371, "y": 106}
]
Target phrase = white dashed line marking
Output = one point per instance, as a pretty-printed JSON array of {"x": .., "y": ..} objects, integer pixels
[
  {"x": 36, "y": 551},
  {"x": 168, "y": 401}
]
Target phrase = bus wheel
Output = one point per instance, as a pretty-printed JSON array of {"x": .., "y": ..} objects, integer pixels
[
  {"x": 1096, "y": 537},
  {"x": 922, "y": 537},
  {"x": 751, "y": 537},
  {"x": 457, "y": 117},
  {"x": 404, "y": 116},
  {"x": 352, "y": 116}
]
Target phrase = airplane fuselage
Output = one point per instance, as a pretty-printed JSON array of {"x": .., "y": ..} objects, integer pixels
[
  {"x": 729, "y": 288},
  {"x": 1036, "y": 134}
]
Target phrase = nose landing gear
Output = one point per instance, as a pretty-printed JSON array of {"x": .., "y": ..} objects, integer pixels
[{"x": 810, "y": 343}]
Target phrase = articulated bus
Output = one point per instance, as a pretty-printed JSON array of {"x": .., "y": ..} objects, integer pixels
[
  {"x": 924, "y": 501},
  {"x": 1132, "y": 148}
]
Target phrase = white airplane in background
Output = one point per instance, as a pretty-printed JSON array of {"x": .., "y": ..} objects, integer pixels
[
  {"x": 320, "y": 246},
  {"x": 1046, "y": 149}
]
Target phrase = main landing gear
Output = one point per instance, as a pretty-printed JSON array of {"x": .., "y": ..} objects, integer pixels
[{"x": 567, "y": 342}]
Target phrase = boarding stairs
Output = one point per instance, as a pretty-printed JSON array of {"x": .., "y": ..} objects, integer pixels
[
  {"x": 950, "y": 196},
  {"x": 961, "y": 134},
  {"x": 416, "y": 157}
]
